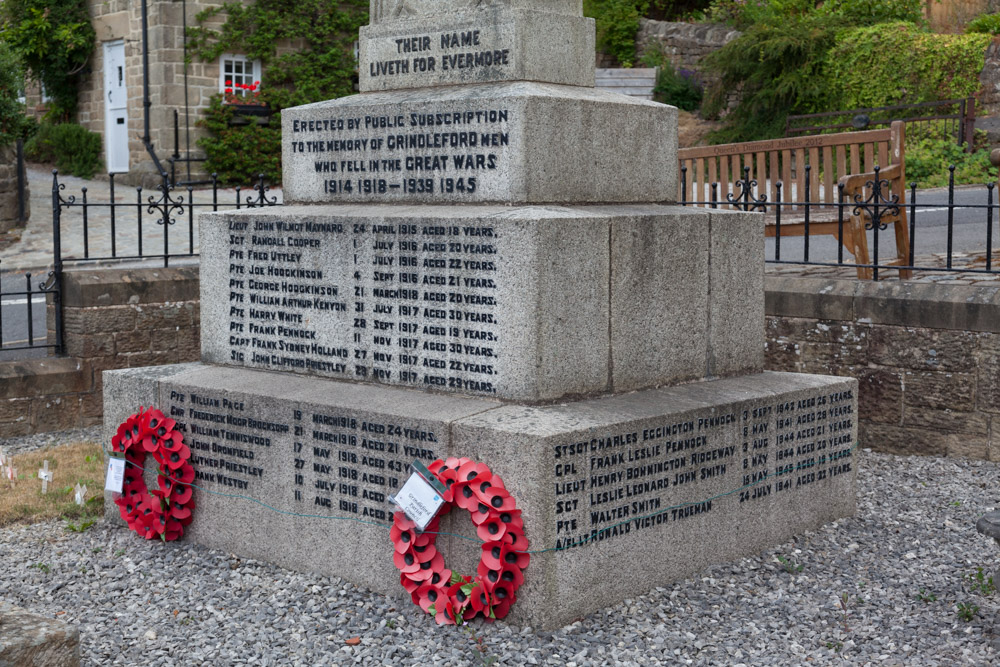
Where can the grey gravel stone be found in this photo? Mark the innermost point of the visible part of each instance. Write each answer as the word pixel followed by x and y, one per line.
pixel 904 563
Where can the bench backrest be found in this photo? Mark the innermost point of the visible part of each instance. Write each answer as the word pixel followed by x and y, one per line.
pixel 830 156
pixel 637 82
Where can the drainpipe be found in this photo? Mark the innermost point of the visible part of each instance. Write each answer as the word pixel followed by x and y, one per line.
pixel 145 95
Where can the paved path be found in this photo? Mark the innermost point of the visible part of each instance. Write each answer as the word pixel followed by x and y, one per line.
pixel 34 250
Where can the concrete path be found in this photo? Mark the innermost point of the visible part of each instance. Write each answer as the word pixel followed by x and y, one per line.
pixel 134 220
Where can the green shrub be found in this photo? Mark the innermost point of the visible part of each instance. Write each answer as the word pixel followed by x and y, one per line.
pixel 988 24
pixel 681 89
pixel 617 24
pixel 74 149
pixel 931 149
pixel 742 14
pixel 238 153
pixel 871 12
pixel 808 62
pixel 898 63
pixel 11 111
pixel 777 67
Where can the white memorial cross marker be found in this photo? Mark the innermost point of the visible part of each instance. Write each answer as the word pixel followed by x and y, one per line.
pixel 11 472
pixel 3 458
pixel 80 493
pixel 45 475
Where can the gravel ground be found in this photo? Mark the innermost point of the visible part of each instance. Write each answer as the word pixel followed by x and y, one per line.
pixel 880 588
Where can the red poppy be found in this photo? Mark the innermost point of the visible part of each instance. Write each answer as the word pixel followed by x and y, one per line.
pixel 428 594
pixel 499 524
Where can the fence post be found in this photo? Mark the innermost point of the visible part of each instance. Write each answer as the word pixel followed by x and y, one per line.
pixel 22 195
pixel 969 124
pixel 57 263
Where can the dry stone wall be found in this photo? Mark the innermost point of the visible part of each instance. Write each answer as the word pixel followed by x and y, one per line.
pixel 926 357
pixel 686 44
pixel 113 319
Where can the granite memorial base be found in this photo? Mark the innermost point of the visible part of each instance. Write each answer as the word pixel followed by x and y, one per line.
pixel 619 493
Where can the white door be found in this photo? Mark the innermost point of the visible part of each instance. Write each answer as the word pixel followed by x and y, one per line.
pixel 115 107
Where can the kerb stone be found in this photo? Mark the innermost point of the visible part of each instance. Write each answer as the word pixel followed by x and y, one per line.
pixel 29 640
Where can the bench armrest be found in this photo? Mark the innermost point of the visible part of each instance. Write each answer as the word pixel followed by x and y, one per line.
pixel 855 182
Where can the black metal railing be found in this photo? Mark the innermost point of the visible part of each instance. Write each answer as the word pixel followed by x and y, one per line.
pixel 141 229
pixel 873 210
pixel 957 117
pixel 109 231
pixel 23 335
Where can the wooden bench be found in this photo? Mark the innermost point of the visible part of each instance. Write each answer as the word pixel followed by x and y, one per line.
pixel 847 159
pixel 637 82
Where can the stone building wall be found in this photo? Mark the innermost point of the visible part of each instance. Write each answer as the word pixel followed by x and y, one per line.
pixel 684 43
pixel 926 357
pixel 122 20
pixel 988 103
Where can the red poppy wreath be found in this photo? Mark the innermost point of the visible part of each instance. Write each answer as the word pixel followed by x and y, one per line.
pixel 164 512
pixel 448 596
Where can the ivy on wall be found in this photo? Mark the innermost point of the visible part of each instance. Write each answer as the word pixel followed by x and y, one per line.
pixel 54 40
pixel 306 53
pixel 898 63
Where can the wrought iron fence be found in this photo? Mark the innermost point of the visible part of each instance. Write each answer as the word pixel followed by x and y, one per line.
pixel 858 223
pixel 22 336
pixel 118 230
pixel 958 117
pixel 140 229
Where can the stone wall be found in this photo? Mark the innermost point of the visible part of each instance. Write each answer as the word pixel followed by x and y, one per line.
pixel 988 103
pixel 114 318
pixel 684 43
pixel 927 357
pixel 8 189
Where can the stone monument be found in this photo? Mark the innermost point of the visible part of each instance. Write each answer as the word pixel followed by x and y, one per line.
pixel 479 257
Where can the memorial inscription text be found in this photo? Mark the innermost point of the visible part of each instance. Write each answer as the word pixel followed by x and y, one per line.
pixel 410 304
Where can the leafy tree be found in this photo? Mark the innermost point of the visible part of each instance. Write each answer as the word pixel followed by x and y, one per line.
pixel 776 69
pixel 54 40
pixel 11 111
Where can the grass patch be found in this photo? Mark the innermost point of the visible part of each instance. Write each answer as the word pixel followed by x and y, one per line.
pixel 70 464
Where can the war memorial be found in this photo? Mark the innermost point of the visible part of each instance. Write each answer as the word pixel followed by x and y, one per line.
pixel 480 257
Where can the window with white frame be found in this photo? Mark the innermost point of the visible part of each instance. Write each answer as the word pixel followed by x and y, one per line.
pixel 235 69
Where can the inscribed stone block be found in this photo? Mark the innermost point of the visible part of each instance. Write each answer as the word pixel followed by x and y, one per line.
pixel 521 142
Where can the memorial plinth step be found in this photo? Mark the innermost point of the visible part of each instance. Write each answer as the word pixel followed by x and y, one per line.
pixel 618 494
pixel 529 303
pixel 520 142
